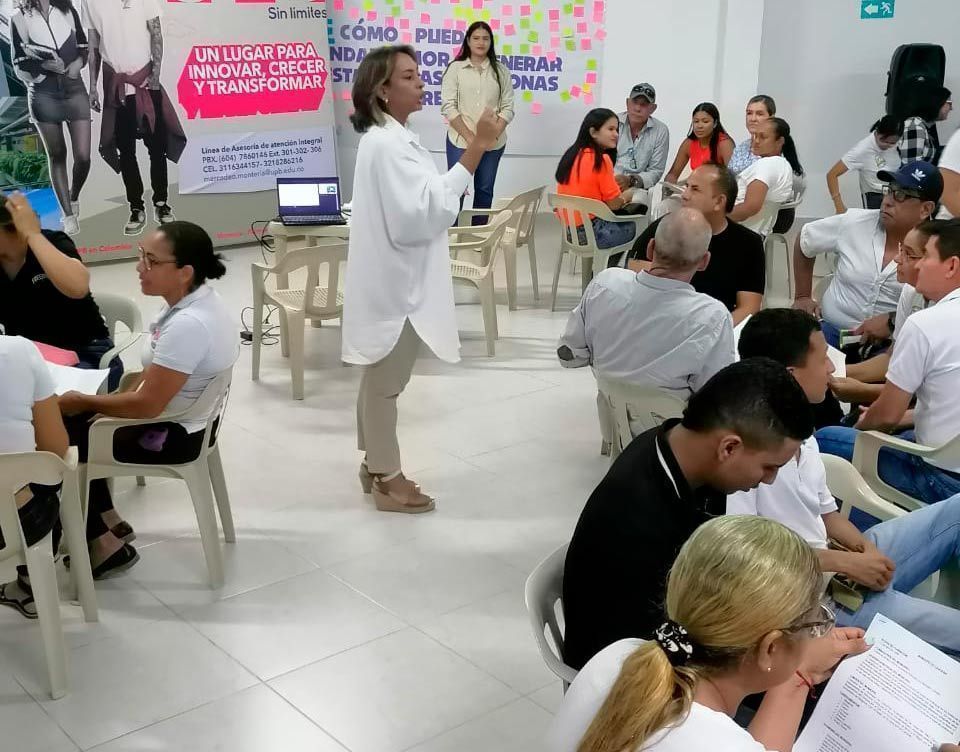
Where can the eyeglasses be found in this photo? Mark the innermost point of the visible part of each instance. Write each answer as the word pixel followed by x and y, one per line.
pixel 902 250
pixel 900 194
pixel 818 628
pixel 149 261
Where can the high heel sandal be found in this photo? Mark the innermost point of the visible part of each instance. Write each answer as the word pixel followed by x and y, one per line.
pixel 409 501
pixel 367 479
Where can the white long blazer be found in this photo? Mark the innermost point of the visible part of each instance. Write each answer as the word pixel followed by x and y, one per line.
pixel 398 266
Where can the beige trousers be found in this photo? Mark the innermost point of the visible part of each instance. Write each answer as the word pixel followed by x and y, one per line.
pixel 380 386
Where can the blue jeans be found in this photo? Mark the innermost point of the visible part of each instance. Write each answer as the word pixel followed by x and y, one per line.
pixel 920 543
pixel 483 178
pixel 608 234
pixel 831 333
pixel 90 359
pixel 908 473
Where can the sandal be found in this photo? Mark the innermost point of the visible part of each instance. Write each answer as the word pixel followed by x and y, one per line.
pixel 12 594
pixel 410 501
pixel 124 532
pixel 117 562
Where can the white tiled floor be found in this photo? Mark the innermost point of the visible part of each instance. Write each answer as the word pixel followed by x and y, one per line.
pixel 339 627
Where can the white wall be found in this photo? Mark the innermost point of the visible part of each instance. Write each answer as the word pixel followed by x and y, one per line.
pixel 691 51
pixel 827 70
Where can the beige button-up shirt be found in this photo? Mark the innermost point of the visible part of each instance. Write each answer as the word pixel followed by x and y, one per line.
pixel 467 90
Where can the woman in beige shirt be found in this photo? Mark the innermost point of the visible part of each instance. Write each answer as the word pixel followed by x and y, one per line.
pixel 473 82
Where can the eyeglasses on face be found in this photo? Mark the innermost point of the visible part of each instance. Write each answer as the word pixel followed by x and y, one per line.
pixel 149 261
pixel 900 194
pixel 817 628
pixel 905 252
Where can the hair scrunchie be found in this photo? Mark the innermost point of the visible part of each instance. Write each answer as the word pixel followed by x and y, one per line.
pixel 675 641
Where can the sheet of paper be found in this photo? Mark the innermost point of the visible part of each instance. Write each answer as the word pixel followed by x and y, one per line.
pixel 902 695
pixel 67 379
pixel 839 361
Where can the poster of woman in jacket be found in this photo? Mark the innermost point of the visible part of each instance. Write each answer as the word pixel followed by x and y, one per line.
pixel 48 53
pixel 126 44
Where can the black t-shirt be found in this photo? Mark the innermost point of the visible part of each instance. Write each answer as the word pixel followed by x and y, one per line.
pixel 626 540
pixel 31 307
pixel 737 263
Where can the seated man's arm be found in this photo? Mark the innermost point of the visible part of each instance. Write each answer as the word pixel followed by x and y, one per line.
pixel 871 371
pixel 909 364
pixel 863 562
pixel 887 411
pixel 815 238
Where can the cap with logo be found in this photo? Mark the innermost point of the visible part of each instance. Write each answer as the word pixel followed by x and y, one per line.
pixel 919 177
pixel 644 90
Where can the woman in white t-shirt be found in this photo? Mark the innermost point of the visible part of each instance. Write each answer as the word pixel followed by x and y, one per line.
pixel 950 170
pixel 192 340
pixel 744 617
pixel 29 421
pixel 770 181
pixel 876 151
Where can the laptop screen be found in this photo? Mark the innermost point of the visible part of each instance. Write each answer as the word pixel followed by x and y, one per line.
pixel 306 196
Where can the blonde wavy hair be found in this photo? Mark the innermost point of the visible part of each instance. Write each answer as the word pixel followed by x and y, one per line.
pixel 736 579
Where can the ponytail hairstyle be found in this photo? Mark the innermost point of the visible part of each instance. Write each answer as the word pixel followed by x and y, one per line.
pixel 782 129
pixel 192 246
pixel 594 120
pixel 888 125
pixel 736 580
pixel 718 130
pixel 464 53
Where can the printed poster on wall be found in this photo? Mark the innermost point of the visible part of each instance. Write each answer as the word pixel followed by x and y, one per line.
pixel 155 109
pixel 552 48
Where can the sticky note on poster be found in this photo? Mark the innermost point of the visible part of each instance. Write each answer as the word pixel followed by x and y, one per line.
pixel 536 108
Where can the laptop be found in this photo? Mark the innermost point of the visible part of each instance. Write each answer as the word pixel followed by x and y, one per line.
pixel 309 201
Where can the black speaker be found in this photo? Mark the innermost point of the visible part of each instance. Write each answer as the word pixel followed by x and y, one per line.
pixel 913 65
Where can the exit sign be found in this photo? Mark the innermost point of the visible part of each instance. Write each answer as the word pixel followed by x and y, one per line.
pixel 876 8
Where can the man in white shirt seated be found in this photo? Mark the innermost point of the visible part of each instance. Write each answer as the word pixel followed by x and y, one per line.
pixel 891 558
pixel 925 364
pixel 866 242
pixel 652 327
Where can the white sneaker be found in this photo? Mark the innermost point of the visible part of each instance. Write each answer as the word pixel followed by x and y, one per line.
pixel 162 213
pixel 136 223
pixel 70 225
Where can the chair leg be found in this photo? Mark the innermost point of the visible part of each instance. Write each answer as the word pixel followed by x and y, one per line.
pixel 295 336
pixel 533 268
pixel 786 254
pixel 257 336
pixel 43 581
pixel 556 282
pixel 74 533
pixel 510 268
pixel 141 481
pixel 197 477
pixel 586 272
pixel 219 483
pixel 489 306
pixel 284 333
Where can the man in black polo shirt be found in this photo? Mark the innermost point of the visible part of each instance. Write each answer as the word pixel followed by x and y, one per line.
pixel 736 273
pixel 45 288
pixel 736 432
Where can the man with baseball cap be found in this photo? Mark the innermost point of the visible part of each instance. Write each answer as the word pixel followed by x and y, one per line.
pixel 644 141
pixel 866 242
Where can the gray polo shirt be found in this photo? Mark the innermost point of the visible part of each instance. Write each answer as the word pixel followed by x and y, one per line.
pixel 646 156
pixel 650 330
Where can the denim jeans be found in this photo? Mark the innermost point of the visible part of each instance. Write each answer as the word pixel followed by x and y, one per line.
pixel 831 333
pixel 483 178
pixel 908 473
pixel 608 234
pixel 920 543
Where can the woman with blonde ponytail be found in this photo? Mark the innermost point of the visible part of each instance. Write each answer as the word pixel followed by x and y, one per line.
pixel 744 617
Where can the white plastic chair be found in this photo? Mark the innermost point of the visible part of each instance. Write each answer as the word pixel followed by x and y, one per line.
pixel 314 302
pixel 199 474
pixel 779 236
pixel 542 593
pixel 16 471
pixel 846 484
pixel 119 309
pixel 591 256
pixel 866 453
pixel 485 242
pixel 520 232
pixel 635 408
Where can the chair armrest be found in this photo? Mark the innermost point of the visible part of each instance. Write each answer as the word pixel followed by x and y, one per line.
pixel 102 430
pixel 117 349
pixel 873 441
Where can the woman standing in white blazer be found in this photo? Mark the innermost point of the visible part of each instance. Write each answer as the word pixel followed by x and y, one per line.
pixel 398 290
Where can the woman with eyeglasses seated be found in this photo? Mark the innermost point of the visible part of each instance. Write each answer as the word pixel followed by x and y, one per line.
pixel 191 341
pixel 743 617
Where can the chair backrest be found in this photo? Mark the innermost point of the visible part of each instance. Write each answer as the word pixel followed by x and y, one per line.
pixel 846 484
pixel 118 308
pixel 209 406
pixel 333 254
pixel 542 593
pixel 638 407
pixel 483 239
pixel 573 211
pixel 16 471
pixel 526 206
